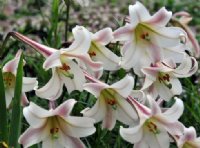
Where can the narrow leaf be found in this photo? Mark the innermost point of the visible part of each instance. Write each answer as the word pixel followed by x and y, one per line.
pixel 16 111
pixel 3 112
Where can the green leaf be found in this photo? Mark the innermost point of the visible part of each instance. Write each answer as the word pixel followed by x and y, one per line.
pixel 3 112
pixel 16 111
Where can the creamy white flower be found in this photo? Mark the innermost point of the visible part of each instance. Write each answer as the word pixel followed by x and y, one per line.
pixel 188 139
pixel 9 77
pixel 55 127
pixel 154 126
pixel 63 62
pixel 146 37
pixel 162 78
pixel 98 51
pixel 111 104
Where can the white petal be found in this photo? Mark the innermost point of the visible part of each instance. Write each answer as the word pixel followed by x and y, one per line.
pixel 176 86
pixel 29 84
pixel 103 36
pixel 138 13
pixel 52 90
pixel 11 66
pixel 141 144
pixel 123 33
pixel 174 128
pixel 53 60
pixel 109 120
pixel 71 142
pixel 173 113
pixel 77 82
pixel 97 112
pixel 52 143
pixel 65 108
pixel 82 41
pixel 108 58
pixel 95 88
pixel 187 68
pixel 132 134
pixel 32 136
pixel 163 91
pixel 77 126
pixel 124 86
pixel 9 94
pixel 160 18
pixel 35 115
pixel 24 100
pixel 167 36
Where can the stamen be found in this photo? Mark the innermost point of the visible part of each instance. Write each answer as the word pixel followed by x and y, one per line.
pixel 65 67
pixel 113 103
pixel 92 54
pixel 145 36
pixel 165 78
pixel 54 132
pixel 152 127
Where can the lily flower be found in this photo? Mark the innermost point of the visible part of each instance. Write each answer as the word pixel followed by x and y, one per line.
pixel 154 126
pixel 9 77
pixel 98 51
pixel 111 104
pixel 162 78
pixel 55 127
pixel 183 21
pixel 65 71
pixel 146 36
pixel 188 139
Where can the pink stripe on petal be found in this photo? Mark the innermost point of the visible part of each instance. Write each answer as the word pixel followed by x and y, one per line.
pixel 65 108
pixel 139 107
pixel 103 36
pixel 110 118
pixel 161 18
pixel 44 50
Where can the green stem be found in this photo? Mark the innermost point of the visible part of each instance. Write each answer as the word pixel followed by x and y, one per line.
pixel 67 3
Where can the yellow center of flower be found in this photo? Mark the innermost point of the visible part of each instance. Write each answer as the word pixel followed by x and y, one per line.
pixel 164 78
pixel 152 127
pixel 54 132
pixel 109 95
pixel 142 33
pixel 65 70
pixel 9 80
pixel 94 48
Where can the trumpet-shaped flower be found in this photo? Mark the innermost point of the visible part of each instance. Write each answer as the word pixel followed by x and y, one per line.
pixel 65 71
pixel 111 104
pixel 154 126
pixel 9 77
pixel 162 78
pixel 183 21
pixel 146 36
pixel 55 127
pixel 188 139
pixel 98 51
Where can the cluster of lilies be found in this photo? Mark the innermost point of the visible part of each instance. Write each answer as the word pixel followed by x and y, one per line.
pixel 155 52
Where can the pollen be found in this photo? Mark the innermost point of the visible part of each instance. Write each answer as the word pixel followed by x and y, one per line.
pixel 92 54
pixel 145 36
pixel 113 103
pixel 54 132
pixel 65 67
pixel 165 79
pixel 152 127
